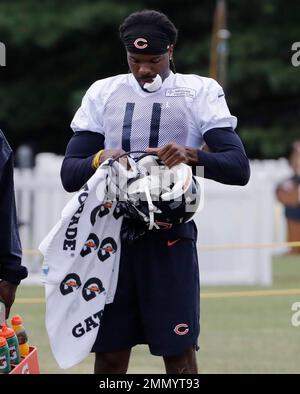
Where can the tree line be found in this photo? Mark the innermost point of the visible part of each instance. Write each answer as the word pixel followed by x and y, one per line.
pixel 55 50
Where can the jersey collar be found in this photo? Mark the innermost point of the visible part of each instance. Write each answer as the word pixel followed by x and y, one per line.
pixel 136 86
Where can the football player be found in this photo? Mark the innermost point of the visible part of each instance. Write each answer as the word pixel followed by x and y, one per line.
pixel 156 109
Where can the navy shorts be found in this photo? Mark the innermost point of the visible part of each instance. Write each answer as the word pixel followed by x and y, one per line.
pixel 157 301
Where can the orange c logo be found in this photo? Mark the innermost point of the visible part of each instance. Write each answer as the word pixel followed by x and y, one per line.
pixel 181 329
pixel 140 43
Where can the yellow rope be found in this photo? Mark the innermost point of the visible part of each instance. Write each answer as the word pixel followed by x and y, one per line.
pixel 250 246
pixel 31 252
pixel 204 295
pixel 251 293
pixel 34 252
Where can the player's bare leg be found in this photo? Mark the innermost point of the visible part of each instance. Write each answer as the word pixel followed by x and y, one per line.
pixel 112 362
pixel 184 363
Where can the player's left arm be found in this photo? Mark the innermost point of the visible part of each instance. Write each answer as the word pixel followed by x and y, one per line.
pixel 225 162
pixel 225 159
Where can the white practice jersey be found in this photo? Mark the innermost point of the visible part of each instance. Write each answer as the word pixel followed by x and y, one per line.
pixel 181 111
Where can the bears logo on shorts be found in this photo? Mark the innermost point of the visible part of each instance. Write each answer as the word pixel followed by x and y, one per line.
pixel 181 329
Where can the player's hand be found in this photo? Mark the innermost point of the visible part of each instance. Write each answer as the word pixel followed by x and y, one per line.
pixel 173 154
pixel 110 154
pixel 7 294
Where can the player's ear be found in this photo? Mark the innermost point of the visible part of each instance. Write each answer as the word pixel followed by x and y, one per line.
pixel 171 50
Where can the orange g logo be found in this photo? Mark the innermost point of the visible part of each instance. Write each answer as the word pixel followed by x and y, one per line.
pixel 140 43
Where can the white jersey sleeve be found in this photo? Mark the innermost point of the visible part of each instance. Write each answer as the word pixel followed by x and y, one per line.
pixel 210 107
pixel 89 117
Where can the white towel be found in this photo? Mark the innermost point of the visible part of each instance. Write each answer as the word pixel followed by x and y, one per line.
pixel 81 264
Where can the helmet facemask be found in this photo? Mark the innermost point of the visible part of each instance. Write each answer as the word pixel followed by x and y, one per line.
pixel 149 191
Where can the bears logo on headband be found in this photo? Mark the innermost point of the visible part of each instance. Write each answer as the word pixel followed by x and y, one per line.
pixel 140 43
pixel 149 39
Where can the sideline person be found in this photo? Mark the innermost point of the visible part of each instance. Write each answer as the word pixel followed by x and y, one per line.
pixel 11 270
pixel 288 193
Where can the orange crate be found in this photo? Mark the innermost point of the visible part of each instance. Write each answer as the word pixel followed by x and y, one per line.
pixel 28 364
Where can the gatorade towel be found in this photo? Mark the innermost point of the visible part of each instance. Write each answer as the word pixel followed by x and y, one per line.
pixel 81 263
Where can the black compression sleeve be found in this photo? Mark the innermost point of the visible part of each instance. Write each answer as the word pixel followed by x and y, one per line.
pixel 77 165
pixel 227 161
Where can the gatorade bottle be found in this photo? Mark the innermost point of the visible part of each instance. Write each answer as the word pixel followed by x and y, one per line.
pixel 2 314
pixel 4 356
pixel 13 345
pixel 17 325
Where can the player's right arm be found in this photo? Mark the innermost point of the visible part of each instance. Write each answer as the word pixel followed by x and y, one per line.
pixel 78 166
pixel 88 139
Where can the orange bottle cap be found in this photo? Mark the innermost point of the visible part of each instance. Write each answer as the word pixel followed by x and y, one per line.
pixel 2 341
pixel 7 332
pixel 16 320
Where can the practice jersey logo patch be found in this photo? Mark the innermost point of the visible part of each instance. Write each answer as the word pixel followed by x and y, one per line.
pixel 181 329
pixel 181 92
pixel 140 43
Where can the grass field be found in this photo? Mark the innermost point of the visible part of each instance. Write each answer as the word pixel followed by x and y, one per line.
pixel 243 329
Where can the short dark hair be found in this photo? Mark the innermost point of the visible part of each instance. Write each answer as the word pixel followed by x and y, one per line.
pixel 151 17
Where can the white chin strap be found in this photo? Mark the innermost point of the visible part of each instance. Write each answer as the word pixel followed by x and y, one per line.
pixel 153 86
pixel 151 207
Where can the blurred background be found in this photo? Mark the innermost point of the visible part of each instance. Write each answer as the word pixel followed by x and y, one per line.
pixel 55 50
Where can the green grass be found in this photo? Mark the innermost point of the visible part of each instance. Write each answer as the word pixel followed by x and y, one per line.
pixel 238 335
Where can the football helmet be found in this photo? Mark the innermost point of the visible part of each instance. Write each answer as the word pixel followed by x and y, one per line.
pixel 149 191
